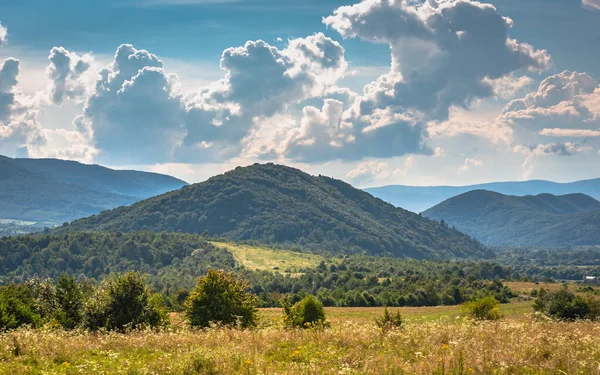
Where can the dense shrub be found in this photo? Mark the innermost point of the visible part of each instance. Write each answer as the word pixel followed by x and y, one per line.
pixel 388 320
pixel 306 313
pixel 16 307
pixel 124 301
pixel 487 308
pixel 565 305
pixel 222 298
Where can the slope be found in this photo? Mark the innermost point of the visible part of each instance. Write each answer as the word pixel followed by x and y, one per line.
pixel 51 191
pixel 543 220
pixel 281 205
pixel 420 198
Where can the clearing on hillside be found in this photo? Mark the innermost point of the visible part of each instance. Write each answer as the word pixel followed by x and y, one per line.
pixel 266 259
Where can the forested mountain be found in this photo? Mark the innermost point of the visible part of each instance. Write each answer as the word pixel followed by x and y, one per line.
pixel 543 220
pixel 282 205
pixel 53 191
pixel 420 198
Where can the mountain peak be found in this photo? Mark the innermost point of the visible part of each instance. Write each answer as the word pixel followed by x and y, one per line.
pixel 531 220
pixel 279 204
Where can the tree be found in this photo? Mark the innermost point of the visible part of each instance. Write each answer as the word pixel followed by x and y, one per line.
pixel 388 320
pixel 16 307
pixel 306 313
pixel 124 301
pixel 565 305
pixel 487 308
pixel 70 302
pixel 220 297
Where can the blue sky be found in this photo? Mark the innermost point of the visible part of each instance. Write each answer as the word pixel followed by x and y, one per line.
pixel 456 115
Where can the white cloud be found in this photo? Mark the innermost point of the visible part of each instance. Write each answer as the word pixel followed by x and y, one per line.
pixel 561 149
pixel 576 133
pixel 137 112
pixel 20 132
pixel 508 86
pixel 445 54
pixel 3 35
pixel 469 163
pixel 565 105
pixel 546 150
pixel 65 73
pixel 595 4
pixel 369 171
pixel 439 152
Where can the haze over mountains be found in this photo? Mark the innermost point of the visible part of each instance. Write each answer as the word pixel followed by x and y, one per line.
pixel 420 198
pixel 543 220
pixel 50 191
pixel 282 205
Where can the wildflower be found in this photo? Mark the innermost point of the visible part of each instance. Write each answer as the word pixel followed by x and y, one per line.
pixel 66 364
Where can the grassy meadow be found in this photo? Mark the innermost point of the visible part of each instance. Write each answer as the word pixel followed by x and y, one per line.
pixel 434 340
pixel 267 259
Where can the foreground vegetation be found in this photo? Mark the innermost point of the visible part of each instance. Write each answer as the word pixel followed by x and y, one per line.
pixel 443 346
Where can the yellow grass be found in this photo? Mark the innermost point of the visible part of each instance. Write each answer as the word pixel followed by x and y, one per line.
pixel 275 260
pixel 528 287
pixel 455 346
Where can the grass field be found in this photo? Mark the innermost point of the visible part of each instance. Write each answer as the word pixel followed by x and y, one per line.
pixel 433 341
pixel 266 259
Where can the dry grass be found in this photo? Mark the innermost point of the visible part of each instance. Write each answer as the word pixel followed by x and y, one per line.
pixel 352 346
pixel 528 287
pixel 266 259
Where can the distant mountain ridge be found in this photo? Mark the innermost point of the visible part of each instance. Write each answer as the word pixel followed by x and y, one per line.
pixel 543 220
pixel 420 198
pixel 282 205
pixel 52 190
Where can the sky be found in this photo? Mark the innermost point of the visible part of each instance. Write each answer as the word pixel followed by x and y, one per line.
pixel 374 92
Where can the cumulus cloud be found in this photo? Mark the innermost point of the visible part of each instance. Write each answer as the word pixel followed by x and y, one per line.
pixel 470 163
pixel 135 113
pixel 138 113
pixel 561 149
pixel 20 131
pixel 565 104
pixel 64 73
pixel 3 35
pixel 445 54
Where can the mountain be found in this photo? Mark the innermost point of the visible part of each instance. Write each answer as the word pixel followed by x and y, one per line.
pixel 280 205
pixel 543 220
pixel 420 198
pixel 53 191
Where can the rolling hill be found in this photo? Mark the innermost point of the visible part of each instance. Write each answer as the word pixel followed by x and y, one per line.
pixel 280 205
pixel 48 191
pixel 420 198
pixel 543 220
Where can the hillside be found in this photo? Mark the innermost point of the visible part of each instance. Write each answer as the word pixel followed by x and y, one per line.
pixel 48 191
pixel 420 198
pixel 543 220
pixel 281 205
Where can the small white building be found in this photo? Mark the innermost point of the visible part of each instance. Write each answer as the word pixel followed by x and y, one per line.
pixel 591 280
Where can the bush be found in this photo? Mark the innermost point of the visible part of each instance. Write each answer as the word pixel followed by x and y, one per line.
pixel 16 307
pixel 306 313
pixel 565 305
pixel 487 308
pixel 124 301
pixel 389 321
pixel 221 298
